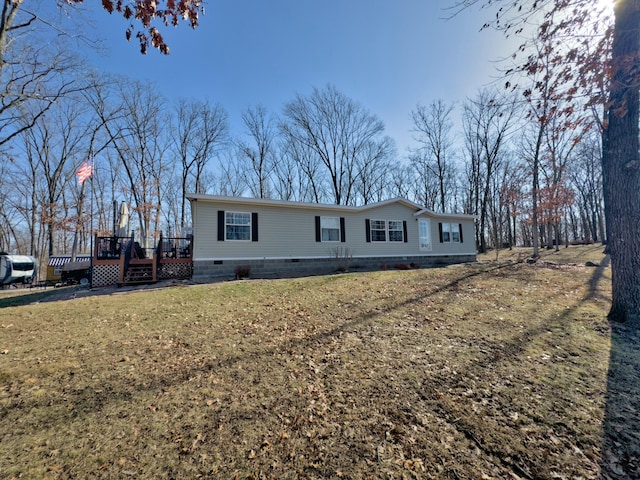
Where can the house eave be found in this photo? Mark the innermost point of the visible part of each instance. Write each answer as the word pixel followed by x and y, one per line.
pixel 194 197
pixel 458 216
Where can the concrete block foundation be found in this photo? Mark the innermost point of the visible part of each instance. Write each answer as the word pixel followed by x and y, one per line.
pixel 211 270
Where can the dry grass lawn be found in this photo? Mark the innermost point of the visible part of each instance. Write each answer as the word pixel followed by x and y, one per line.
pixel 489 370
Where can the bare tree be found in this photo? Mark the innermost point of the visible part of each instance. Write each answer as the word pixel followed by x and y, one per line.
pixel 287 178
pixel 231 180
pixel 487 123
pixel 34 74
pixel 373 170
pixel 200 130
pixel 561 138
pixel 402 182
pixel 311 183
pixel 505 194
pixel 138 137
pixel 54 146
pixel 432 126
pixel 426 186
pixel 339 131
pixel 586 180
pixel 609 69
pixel 259 150
pixel 11 208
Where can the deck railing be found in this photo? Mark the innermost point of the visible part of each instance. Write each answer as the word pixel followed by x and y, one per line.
pixel 174 247
pixel 111 248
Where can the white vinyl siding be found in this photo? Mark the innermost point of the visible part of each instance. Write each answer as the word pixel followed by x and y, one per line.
pixel 290 231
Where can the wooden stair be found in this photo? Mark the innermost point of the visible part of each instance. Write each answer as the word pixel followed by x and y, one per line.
pixel 139 273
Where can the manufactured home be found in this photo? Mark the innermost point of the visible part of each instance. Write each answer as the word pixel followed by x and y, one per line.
pixel 276 238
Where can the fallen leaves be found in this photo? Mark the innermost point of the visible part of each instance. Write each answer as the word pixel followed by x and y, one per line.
pixel 470 371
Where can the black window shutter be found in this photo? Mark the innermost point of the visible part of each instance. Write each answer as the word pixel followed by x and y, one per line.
pixel 221 225
pixel 343 235
pixel 367 225
pixel 440 230
pixel 318 235
pixel 254 227
pixel 460 233
pixel 404 228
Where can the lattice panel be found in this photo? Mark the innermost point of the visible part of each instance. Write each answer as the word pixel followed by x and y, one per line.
pixel 175 270
pixel 105 275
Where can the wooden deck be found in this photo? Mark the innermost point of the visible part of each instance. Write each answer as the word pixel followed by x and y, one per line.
pixel 122 261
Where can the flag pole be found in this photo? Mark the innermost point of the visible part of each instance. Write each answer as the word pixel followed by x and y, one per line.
pixel 91 226
pixel 84 172
pixel 79 224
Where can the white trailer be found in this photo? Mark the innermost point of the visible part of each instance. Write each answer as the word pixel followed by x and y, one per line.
pixel 16 268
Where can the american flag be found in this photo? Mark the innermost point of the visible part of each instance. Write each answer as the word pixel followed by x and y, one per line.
pixel 85 171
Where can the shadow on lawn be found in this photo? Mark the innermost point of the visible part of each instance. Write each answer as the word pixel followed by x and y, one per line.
pixel 621 427
pixel 621 439
pixel 621 430
pixel 25 296
pixel 90 399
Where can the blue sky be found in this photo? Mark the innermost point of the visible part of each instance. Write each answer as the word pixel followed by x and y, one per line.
pixel 387 55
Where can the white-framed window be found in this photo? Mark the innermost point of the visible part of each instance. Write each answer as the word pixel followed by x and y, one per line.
pixel 424 228
pixel 455 232
pixel 446 232
pixel 378 230
pixel 330 229
pixel 386 231
pixel 237 226
pixel 450 232
pixel 396 230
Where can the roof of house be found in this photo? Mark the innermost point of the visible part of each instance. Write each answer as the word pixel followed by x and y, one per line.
pixel 59 260
pixel 419 210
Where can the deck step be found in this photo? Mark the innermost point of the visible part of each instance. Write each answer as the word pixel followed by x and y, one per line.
pixel 139 274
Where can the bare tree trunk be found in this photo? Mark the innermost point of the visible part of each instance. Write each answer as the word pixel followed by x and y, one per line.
pixel 258 152
pixel 621 164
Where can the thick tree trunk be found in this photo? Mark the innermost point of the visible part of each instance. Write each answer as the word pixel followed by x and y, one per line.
pixel 621 164
pixel 534 193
